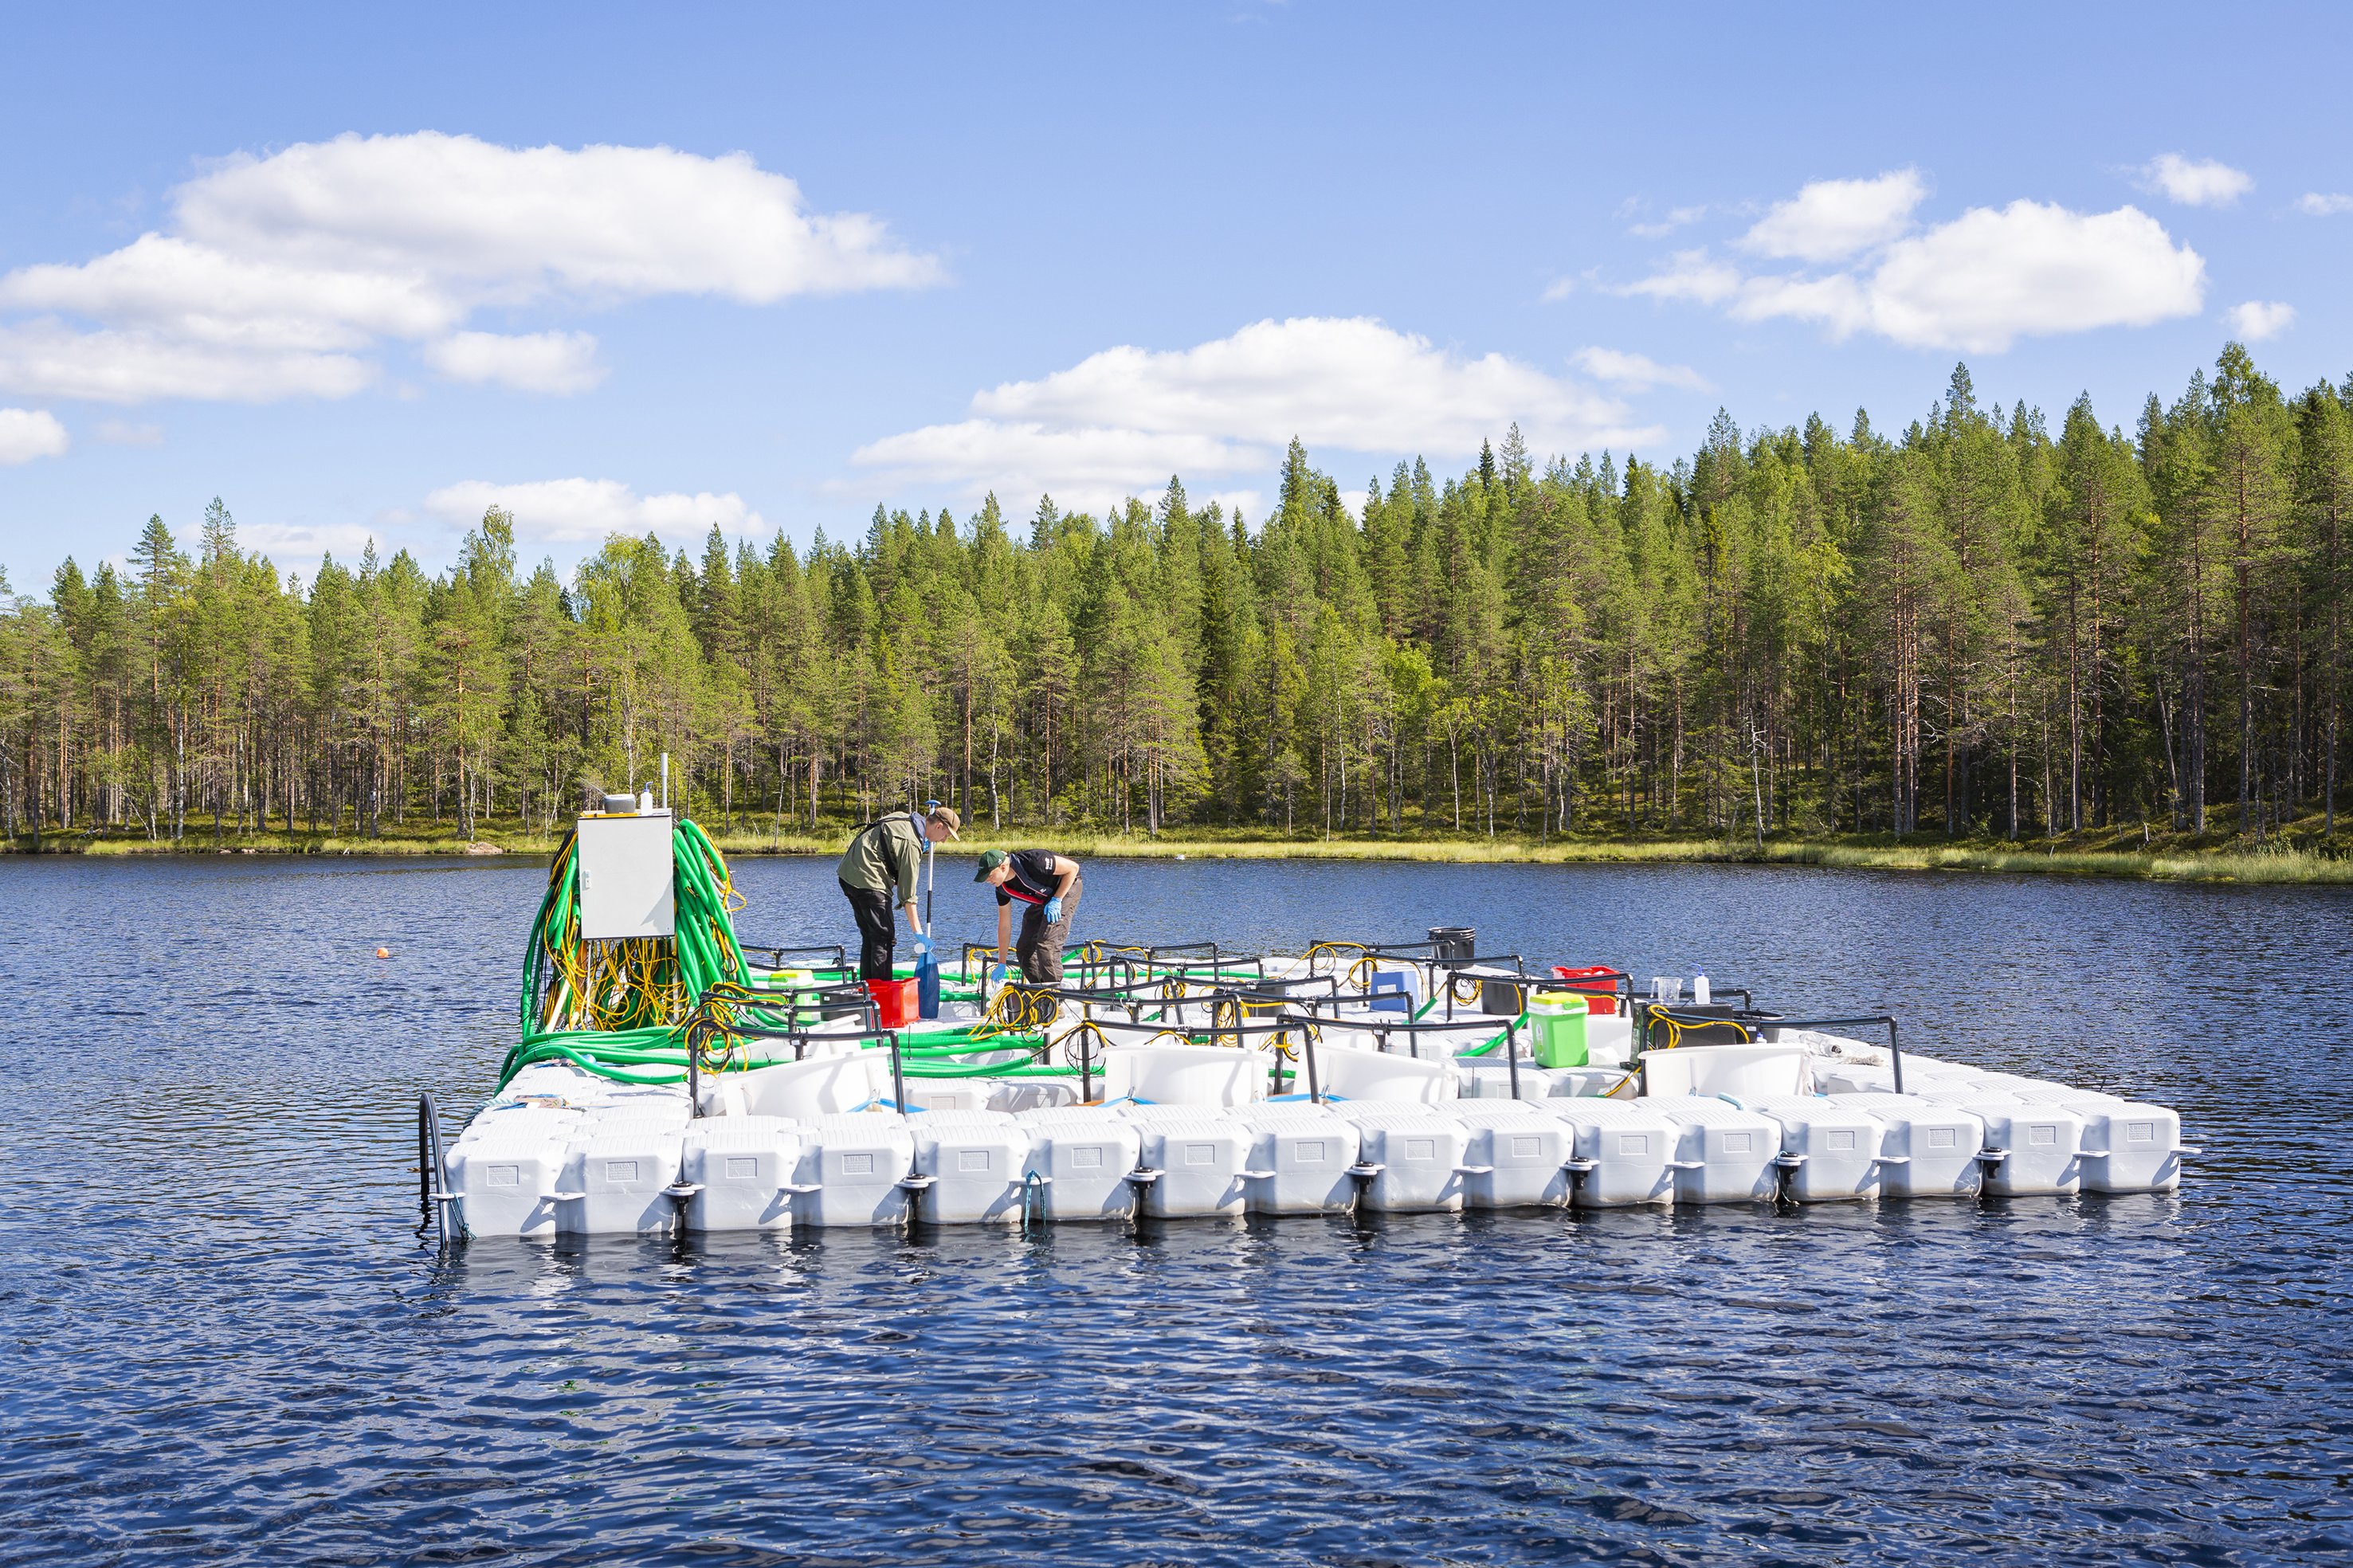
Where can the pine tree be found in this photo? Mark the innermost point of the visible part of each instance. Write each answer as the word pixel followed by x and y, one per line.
pixel 1787 630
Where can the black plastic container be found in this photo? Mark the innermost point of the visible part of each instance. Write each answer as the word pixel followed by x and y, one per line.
pixel 1758 1025
pixel 1507 997
pixel 1455 942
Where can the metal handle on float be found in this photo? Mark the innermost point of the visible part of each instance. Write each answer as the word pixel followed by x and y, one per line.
pixel 432 1171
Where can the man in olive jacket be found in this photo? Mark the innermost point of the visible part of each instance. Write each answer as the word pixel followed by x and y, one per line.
pixel 885 855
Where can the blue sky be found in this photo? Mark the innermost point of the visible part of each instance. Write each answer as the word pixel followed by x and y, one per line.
pixel 768 266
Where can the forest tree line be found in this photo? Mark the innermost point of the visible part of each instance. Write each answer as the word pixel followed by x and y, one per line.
pixel 1974 625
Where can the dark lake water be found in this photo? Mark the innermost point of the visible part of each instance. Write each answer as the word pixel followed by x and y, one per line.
pixel 226 1340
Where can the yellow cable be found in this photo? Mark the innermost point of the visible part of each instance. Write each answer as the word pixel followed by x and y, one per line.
pixel 1675 1030
pixel 1356 947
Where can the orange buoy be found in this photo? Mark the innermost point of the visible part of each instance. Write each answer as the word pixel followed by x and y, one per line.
pixel 384 953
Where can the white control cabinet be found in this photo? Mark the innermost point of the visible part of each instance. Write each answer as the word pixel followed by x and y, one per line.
pixel 625 876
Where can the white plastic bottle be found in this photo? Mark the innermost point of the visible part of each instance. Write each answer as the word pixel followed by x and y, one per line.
pixel 1699 989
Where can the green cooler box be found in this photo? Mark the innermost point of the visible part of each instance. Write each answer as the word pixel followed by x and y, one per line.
pixel 1557 1019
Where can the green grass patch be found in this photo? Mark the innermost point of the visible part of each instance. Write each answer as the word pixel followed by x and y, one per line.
pixel 2301 853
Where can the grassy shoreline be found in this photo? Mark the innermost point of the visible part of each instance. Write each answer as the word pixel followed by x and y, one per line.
pixel 2298 854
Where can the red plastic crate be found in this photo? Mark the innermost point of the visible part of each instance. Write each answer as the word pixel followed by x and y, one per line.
pixel 1598 982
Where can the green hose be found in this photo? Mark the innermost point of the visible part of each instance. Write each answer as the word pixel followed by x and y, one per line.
pixel 1482 1050
pixel 654 983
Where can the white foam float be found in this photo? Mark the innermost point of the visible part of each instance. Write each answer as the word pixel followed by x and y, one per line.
pixel 1183 1130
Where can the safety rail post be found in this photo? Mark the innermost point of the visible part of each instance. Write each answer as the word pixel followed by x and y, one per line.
pixel 1894 1048
pixel 898 1077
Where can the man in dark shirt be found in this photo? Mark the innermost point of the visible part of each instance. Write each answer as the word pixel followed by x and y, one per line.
pixel 1048 884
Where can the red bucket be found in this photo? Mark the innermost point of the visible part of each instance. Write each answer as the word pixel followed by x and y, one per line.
pixel 894 999
pixel 1599 983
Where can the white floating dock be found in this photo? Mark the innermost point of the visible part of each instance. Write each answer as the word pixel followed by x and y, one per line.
pixel 1440 1121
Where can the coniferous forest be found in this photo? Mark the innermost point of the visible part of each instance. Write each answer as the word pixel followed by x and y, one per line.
pixel 1988 623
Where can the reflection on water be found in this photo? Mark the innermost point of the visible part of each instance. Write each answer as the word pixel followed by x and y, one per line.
pixel 228 1343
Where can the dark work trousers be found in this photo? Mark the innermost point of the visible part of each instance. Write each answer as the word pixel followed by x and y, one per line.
pixel 878 931
pixel 1039 948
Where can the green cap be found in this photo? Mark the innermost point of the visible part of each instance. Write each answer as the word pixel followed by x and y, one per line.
pixel 991 859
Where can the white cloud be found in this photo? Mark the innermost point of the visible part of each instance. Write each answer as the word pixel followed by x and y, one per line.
pixel 30 433
pixel 536 362
pixel 2316 203
pixel 2259 318
pixel 1839 301
pixel 196 293
pixel 1030 455
pixel 1977 283
pixel 1637 373
pixel 1121 421
pixel 573 511
pixel 1668 224
pixel 2031 270
pixel 123 433
pixel 297 547
pixel 2208 183
pixel 1829 220
pixel 1690 276
pixel 278 270
pixel 1559 289
pixel 45 358
pixel 625 222
pixel 1250 504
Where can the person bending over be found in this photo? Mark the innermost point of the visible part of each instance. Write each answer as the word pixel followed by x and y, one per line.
pixel 1048 884
pixel 887 853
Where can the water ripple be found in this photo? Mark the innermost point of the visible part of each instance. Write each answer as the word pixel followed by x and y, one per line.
pixel 230 1342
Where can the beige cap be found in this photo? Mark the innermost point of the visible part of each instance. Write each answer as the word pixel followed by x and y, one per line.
pixel 946 817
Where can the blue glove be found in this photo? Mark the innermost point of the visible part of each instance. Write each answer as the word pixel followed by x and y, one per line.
pixel 923 941
pixel 1054 910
